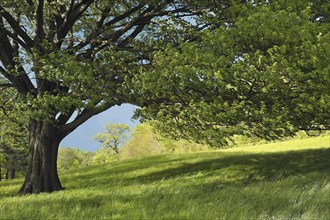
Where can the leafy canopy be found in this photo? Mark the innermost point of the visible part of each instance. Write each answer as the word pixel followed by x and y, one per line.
pixel 114 135
pixel 71 59
pixel 264 74
pixel 13 133
pixel 204 69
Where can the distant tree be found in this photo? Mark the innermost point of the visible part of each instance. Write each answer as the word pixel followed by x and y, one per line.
pixel 13 150
pixel 13 135
pixel 1 165
pixel 104 155
pixel 114 135
pixel 145 140
pixel 13 158
pixel 69 158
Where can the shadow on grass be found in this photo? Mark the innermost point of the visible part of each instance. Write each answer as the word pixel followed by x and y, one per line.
pixel 114 172
pixel 231 168
pixel 227 167
pixel 108 197
pixel 268 166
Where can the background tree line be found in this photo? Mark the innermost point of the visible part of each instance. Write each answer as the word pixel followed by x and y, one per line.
pixel 13 137
pixel 144 140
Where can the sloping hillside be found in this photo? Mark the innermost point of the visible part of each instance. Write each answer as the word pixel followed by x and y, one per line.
pixel 278 181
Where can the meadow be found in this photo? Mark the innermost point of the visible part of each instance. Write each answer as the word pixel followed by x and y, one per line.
pixel 283 180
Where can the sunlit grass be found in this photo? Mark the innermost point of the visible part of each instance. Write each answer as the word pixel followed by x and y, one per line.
pixel 295 144
pixel 285 180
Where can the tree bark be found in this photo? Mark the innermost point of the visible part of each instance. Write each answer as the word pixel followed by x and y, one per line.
pixel 116 149
pixel 12 173
pixel 41 175
pixel 12 167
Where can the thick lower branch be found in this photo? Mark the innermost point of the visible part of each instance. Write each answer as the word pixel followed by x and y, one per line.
pixel 86 114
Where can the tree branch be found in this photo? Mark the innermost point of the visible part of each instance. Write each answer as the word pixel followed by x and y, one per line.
pixel 6 85
pixel 18 40
pixel 2 70
pixel 83 117
pixel 98 31
pixel 140 21
pixel 40 33
pixel 71 17
pixel 136 32
pixel 64 117
pixel 21 82
pixel 30 2
pixel 16 27
pixel 6 50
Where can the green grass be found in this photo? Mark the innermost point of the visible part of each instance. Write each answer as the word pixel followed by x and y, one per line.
pixel 285 180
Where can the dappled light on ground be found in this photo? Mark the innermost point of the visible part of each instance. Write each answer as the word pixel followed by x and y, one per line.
pixel 209 185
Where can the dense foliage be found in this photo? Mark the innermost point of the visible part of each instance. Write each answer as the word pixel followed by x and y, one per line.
pixel 13 137
pixel 264 73
pixel 145 140
pixel 142 141
pixel 114 135
pixel 70 158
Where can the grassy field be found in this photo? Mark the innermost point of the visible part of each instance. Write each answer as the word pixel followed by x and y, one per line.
pixel 285 180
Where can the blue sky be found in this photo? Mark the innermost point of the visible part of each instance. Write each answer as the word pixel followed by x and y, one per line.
pixel 82 137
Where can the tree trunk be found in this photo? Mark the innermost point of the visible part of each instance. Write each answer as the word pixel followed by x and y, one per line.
pixel 12 168
pixel 41 175
pixel 12 173
pixel 116 150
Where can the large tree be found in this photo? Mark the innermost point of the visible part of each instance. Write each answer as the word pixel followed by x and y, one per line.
pixel 265 73
pixel 72 59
